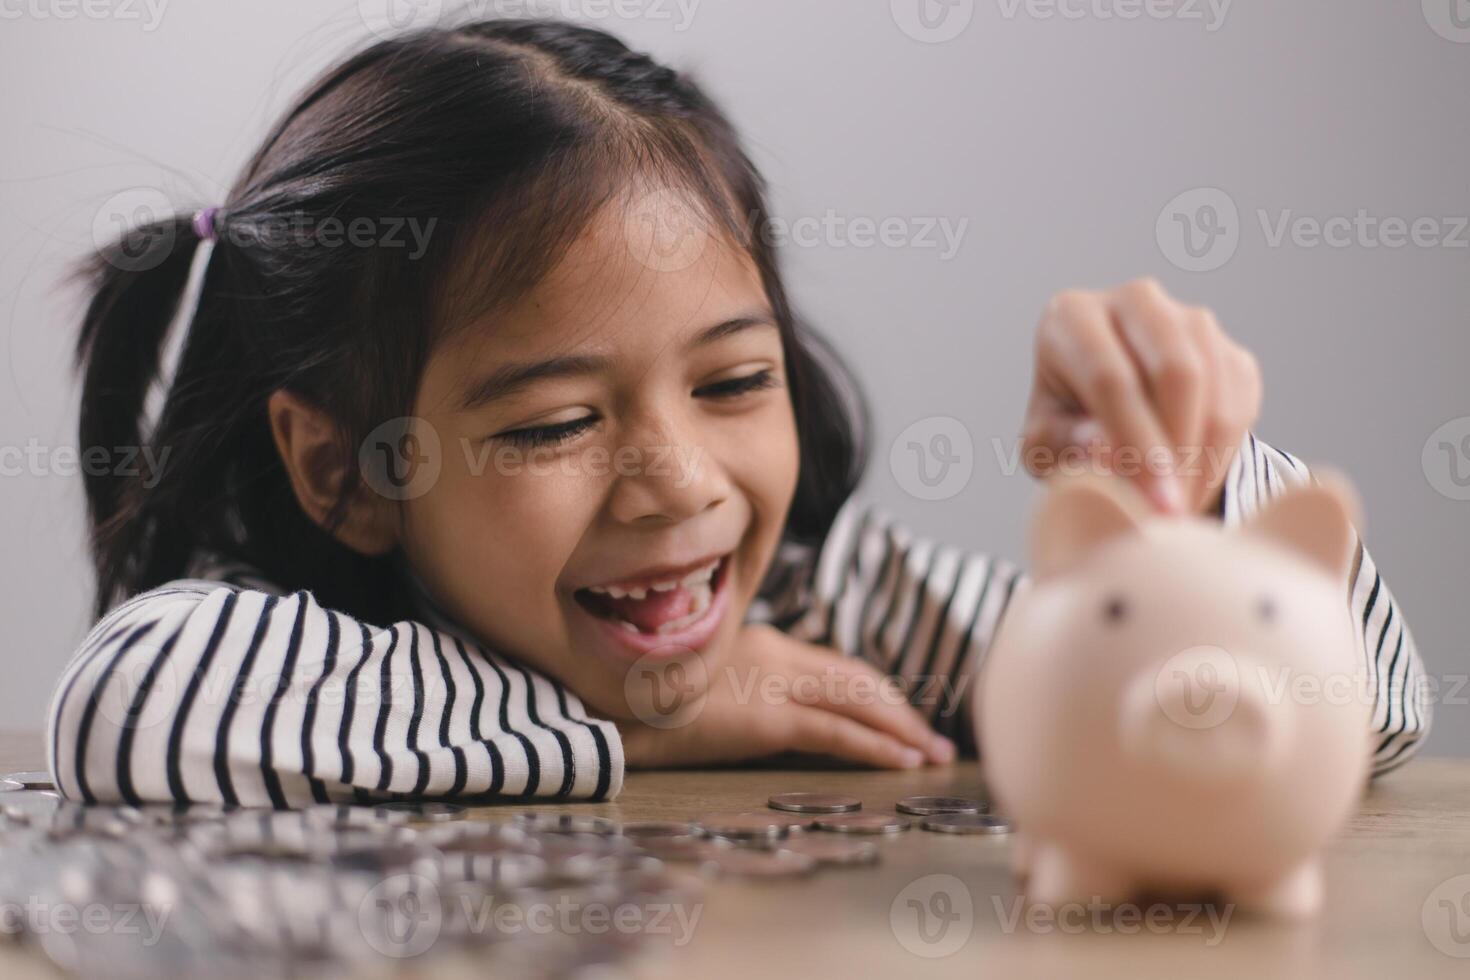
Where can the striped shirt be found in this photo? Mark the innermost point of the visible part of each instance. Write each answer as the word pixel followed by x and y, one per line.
pixel 219 688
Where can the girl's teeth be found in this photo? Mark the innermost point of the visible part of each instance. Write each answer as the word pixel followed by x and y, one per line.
pixel 696 577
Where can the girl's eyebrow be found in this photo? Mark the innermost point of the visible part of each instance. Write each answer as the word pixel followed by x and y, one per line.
pixel 510 378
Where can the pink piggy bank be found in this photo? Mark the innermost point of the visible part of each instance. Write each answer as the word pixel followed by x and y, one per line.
pixel 1176 708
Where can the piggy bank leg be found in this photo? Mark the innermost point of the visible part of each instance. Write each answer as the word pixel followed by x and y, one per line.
pixel 1296 895
pixel 1058 878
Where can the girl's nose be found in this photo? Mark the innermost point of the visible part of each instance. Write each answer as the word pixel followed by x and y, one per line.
pixel 661 479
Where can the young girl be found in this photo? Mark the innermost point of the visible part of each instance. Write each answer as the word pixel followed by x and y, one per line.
pixel 491 402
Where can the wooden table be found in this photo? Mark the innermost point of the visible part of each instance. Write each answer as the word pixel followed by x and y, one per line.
pixel 1383 919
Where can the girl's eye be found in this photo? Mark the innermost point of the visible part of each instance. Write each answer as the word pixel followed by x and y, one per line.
pixel 731 387
pixel 549 435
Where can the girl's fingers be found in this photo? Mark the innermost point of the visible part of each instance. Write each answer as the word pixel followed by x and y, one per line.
pixel 1078 342
pixel 1220 437
pixel 819 731
pixel 854 689
pixel 1163 341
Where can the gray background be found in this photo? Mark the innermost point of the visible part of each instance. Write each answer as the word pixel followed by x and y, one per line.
pixel 1060 140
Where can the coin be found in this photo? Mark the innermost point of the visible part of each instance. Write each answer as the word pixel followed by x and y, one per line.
pixel 966 823
pixel 433 812
pixel 657 830
pixel 30 805
pixel 30 780
pixel 862 823
pixel 742 825
pixel 343 816
pixel 751 863
pixel 815 803
pixel 565 823
pixel 835 850
pixel 681 849
pixel 9 786
pixel 925 806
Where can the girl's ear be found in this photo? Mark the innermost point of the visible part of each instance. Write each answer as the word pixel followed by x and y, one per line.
pixel 1077 515
pixel 310 448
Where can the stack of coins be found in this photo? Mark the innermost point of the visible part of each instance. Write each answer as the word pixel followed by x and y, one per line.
pixel 358 888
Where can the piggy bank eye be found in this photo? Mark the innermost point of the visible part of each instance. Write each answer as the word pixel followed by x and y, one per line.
pixel 1115 610
pixel 1266 609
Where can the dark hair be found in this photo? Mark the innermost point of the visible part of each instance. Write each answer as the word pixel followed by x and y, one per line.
pixel 505 134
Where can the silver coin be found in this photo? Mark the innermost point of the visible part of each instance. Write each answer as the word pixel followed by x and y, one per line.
pixel 815 803
pixel 9 786
pixel 835 850
pixel 657 830
pixel 756 863
pixel 30 805
pixel 432 812
pixel 564 823
pixel 344 816
pixel 743 825
pixel 676 850
pixel 30 780
pixel 862 823
pixel 966 823
pixel 926 806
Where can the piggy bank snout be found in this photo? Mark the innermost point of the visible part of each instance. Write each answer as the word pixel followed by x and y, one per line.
pixel 1201 716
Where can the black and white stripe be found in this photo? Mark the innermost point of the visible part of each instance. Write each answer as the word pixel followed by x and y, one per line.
pixel 1402 709
pixel 205 691
pixel 927 614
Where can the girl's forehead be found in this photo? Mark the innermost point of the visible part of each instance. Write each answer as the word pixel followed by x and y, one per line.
pixel 637 274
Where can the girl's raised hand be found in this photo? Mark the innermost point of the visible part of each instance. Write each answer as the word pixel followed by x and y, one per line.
pixel 1135 383
pixel 780 694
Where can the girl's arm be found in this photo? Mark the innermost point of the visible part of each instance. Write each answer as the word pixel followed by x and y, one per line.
pixel 203 692
pixel 926 614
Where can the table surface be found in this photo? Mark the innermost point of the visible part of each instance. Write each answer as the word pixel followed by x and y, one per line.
pixel 1389 910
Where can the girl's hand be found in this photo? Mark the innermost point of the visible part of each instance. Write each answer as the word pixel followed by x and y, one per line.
pixel 1135 383
pixel 780 694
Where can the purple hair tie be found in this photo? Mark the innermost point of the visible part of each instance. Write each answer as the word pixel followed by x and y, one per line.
pixel 204 224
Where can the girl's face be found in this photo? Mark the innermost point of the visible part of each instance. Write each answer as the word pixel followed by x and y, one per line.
pixel 618 453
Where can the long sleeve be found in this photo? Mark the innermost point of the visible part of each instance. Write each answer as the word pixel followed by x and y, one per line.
pixel 926 613
pixel 1401 710
pixel 208 692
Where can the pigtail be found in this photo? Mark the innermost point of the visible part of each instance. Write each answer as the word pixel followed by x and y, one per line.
pixel 137 283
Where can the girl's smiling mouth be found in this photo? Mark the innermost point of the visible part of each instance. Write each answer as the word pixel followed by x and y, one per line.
pixel 676 609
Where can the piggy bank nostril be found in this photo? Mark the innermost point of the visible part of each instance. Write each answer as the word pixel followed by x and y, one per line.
pixel 1115 610
pixel 1266 609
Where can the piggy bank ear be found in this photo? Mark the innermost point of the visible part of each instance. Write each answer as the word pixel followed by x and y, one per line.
pixel 1077 515
pixel 1316 520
